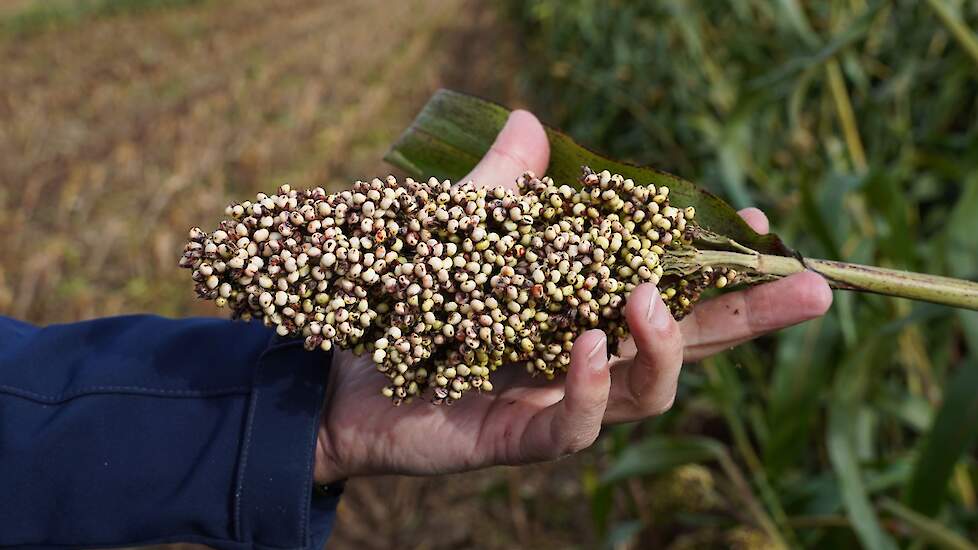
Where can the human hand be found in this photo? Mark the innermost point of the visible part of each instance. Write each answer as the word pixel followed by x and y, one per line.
pixel 527 420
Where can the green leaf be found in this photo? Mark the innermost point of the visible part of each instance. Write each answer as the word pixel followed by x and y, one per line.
pixel 961 229
pixel 455 130
pixel 622 534
pixel 798 379
pixel 952 434
pixel 660 453
pixel 601 497
pixel 926 528
pixel 858 27
pixel 842 453
pixel 849 392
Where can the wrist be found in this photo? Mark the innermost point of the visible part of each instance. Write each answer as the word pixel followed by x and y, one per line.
pixel 328 481
pixel 326 469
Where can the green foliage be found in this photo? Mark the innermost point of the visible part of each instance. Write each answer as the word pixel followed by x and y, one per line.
pixel 951 435
pixel 45 15
pixel 853 125
pixel 660 453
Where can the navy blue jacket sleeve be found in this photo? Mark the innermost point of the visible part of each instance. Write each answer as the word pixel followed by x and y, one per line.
pixel 139 430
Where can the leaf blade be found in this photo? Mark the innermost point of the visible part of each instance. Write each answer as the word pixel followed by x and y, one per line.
pixel 953 432
pixel 842 442
pixel 859 508
pixel 659 453
pixel 454 130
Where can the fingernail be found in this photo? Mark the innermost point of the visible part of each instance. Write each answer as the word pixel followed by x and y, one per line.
pixel 598 355
pixel 658 313
pixel 509 120
pixel 650 314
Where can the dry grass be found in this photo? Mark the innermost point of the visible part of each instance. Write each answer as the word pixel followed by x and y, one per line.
pixel 119 133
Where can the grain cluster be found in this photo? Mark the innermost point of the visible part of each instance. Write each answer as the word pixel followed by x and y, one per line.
pixel 442 284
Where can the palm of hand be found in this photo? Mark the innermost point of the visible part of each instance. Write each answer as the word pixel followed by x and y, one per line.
pixel 528 419
pixel 369 435
pixel 518 422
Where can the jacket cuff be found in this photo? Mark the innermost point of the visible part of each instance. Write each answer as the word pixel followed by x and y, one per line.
pixel 273 503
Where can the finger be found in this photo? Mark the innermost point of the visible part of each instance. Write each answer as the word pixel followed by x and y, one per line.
pixel 646 385
pixel 733 318
pixel 573 423
pixel 756 219
pixel 520 146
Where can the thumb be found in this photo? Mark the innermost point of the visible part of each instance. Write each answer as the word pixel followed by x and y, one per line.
pixel 520 146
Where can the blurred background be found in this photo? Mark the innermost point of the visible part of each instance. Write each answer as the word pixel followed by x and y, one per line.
pixel 852 123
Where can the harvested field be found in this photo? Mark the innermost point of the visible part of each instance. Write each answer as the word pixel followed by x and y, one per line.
pixel 118 131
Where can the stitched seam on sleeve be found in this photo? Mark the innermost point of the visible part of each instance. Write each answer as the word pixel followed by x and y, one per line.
pixel 133 390
pixel 243 465
pixel 305 498
pixel 239 533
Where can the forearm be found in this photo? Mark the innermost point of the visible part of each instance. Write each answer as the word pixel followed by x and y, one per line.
pixel 139 430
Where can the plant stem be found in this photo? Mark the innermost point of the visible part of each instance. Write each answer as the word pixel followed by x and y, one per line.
pixel 754 508
pixel 952 20
pixel 777 520
pixel 929 529
pixel 862 278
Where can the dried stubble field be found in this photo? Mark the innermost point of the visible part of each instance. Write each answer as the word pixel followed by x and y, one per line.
pixel 118 133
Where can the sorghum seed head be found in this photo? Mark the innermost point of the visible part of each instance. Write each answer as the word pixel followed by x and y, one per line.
pixel 443 284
